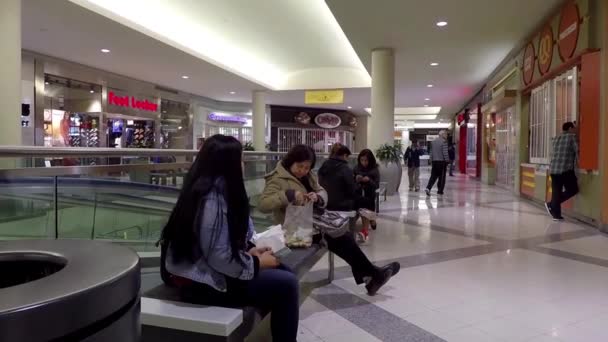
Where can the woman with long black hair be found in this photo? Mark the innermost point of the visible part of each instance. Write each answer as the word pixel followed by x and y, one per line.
pixel 207 241
pixel 293 182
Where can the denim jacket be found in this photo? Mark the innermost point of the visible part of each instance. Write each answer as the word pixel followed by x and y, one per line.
pixel 213 253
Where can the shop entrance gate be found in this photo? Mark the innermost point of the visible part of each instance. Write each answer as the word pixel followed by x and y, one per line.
pixel 505 147
pixel 319 139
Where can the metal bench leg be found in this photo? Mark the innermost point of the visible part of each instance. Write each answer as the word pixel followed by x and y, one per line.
pixel 330 273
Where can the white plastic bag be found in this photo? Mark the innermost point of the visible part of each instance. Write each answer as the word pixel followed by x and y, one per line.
pixel 274 238
pixel 298 225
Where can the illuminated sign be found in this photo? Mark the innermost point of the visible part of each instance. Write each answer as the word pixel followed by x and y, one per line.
pixel 227 118
pixel 131 102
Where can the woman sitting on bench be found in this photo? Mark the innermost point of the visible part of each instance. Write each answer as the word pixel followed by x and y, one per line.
pixel 207 247
pixel 293 182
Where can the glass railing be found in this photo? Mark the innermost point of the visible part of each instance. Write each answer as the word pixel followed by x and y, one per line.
pixel 120 195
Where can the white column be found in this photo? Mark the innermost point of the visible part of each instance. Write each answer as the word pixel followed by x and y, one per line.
pixel 381 124
pixel 10 69
pixel 361 134
pixel 259 120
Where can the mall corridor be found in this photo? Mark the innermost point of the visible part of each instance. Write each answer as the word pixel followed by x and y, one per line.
pixel 478 265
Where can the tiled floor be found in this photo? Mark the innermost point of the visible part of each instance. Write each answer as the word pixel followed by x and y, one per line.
pixel 478 265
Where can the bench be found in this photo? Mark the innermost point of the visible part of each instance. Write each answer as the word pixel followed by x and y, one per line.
pixel 164 317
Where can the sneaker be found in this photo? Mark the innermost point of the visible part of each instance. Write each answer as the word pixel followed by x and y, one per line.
pixel 428 192
pixel 378 281
pixel 362 238
pixel 558 219
pixel 548 208
pixel 395 267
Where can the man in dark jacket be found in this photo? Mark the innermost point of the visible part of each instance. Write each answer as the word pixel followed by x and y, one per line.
pixel 336 177
pixel 440 158
pixel 411 158
pixel 452 154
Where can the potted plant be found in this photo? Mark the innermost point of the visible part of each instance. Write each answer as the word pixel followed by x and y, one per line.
pixel 390 166
pixel 248 146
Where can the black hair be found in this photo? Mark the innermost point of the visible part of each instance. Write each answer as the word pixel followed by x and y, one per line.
pixel 219 158
pixel 371 160
pixel 339 150
pixel 566 126
pixel 298 154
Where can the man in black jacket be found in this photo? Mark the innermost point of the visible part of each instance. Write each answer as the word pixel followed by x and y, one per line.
pixel 411 158
pixel 336 177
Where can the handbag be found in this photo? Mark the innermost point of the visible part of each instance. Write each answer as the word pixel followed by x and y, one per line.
pixel 332 223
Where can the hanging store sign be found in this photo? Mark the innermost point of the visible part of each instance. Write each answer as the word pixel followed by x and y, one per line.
pixel 528 63
pixel 545 50
pixel 227 118
pixel 328 120
pixel 131 102
pixel 324 96
pixel 569 30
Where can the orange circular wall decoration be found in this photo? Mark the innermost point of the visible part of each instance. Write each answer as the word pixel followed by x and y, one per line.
pixel 569 30
pixel 545 50
pixel 528 63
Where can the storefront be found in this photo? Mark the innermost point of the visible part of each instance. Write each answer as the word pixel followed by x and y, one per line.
pixel 71 105
pixel 319 128
pixel 553 80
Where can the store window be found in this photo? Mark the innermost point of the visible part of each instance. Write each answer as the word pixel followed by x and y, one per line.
pixel 71 113
pixel 175 125
pixel 551 104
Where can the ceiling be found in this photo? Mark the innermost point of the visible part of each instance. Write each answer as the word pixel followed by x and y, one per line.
pixel 479 35
pixel 298 43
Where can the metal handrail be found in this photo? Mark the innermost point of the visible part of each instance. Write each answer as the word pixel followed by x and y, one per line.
pixel 92 152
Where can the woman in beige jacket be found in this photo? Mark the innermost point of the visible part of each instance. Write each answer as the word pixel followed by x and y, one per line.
pixel 293 182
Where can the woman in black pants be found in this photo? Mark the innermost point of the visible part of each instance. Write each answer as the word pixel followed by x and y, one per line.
pixel 293 182
pixel 206 245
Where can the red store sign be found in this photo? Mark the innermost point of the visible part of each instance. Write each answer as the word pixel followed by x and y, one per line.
pixel 569 30
pixel 131 102
pixel 545 50
pixel 528 67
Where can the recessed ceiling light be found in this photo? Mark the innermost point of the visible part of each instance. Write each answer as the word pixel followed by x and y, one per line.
pixel 427 99
pixel 91 91
pixel 47 82
pixel 180 127
pixel 442 23
pixel 232 92
pixel 434 64
pixel 105 50
pixel 185 77
pixel 349 107
pixel 429 86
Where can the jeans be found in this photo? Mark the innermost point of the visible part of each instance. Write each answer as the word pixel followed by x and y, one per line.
pixel 438 173
pixel 565 180
pixel 273 290
pixel 414 175
pixel 347 248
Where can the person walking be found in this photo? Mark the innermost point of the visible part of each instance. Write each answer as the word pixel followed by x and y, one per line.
pixel 440 159
pixel 452 155
pixel 411 158
pixel 563 163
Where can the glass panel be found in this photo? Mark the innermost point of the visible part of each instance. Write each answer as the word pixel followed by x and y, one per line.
pixel 27 208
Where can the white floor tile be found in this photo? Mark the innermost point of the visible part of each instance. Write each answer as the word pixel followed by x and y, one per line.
pixel 355 335
pixel 508 330
pixel 467 334
pixel 327 324
pixel 436 322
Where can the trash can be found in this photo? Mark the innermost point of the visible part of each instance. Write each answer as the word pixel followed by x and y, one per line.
pixel 68 290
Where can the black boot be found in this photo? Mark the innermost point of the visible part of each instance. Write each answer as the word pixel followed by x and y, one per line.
pixel 382 277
